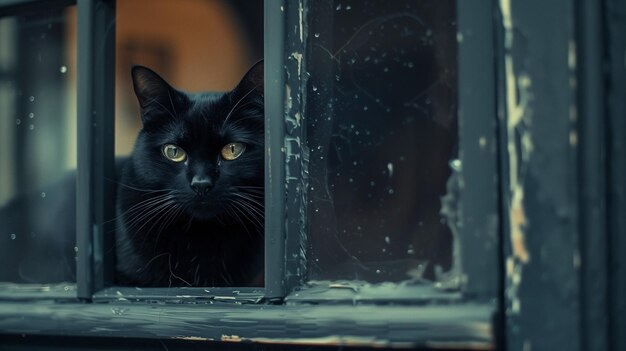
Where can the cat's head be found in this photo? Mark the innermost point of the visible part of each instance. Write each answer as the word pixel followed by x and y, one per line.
pixel 203 149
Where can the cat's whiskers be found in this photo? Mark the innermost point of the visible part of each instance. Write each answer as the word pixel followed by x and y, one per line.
pixel 250 209
pixel 232 210
pixel 169 94
pixel 258 206
pixel 165 108
pixel 145 204
pixel 147 214
pixel 154 213
pixel 172 215
pixel 136 206
pixel 135 188
pixel 237 104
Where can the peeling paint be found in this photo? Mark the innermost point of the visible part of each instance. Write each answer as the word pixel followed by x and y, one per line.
pixel 192 338
pixel 518 119
pixel 571 55
pixel 298 57
pixel 452 212
pixel 573 138
pixel 301 21
pixel 516 112
pixel 331 340
pixel 482 142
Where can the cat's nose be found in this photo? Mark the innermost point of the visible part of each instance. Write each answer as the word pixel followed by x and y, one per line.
pixel 201 184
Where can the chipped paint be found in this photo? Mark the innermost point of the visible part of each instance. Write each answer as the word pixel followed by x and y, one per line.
pixel 482 142
pixel 231 338
pixel 331 340
pixel 451 211
pixel 516 113
pixel 301 21
pixel 573 138
pixel 571 55
pixel 518 118
pixel 298 57
pixel 192 338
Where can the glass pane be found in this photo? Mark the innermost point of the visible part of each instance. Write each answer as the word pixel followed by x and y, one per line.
pixel 382 131
pixel 164 235
pixel 37 149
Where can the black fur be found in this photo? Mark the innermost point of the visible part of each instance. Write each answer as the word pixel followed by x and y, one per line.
pixel 166 233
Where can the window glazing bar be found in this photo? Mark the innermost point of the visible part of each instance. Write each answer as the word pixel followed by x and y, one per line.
pixel 477 116
pixel 274 136
pixel 96 166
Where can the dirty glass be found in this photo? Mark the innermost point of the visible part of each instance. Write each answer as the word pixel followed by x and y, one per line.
pixel 37 149
pixel 381 126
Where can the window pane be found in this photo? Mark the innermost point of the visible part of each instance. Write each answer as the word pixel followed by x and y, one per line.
pixel 170 230
pixel 382 131
pixel 37 149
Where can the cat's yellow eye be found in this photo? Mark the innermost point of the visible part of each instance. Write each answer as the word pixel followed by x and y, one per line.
pixel 232 150
pixel 174 153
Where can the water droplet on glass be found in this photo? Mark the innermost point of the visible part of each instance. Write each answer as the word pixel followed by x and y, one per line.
pixel 31 115
pixel 410 251
pixel 390 169
pixel 410 64
pixel 386 69
pixel 372 183
pixel 314 88
pixel 455 164
pixel 18 121
pixel 13 236
pixel 338 7
pixel 387 239
pixel 31 98
pixel 348 7
pixel 317 35
pixel 75 248
pixel 391 191
pixel 365 108
pixel 63 69
pixel 31 127
pixel 43 195
pixel 378 271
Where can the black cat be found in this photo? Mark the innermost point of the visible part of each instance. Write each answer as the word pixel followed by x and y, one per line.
pixel 189 201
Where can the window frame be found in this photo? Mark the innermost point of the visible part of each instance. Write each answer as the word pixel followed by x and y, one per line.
pixel 480 312
pixel 468 312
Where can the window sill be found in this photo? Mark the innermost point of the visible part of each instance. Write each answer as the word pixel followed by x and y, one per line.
pixel 462 325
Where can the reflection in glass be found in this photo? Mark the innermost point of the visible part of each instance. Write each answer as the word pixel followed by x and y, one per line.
pixel 381 130
pixel 37 135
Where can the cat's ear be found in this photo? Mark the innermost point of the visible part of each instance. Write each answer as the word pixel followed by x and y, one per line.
pixel 152 91
pixel 252 81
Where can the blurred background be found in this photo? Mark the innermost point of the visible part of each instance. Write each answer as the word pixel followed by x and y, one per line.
pixel 196 45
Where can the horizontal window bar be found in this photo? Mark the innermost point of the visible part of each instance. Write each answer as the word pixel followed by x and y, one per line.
pixel 464 326
pixel 16 7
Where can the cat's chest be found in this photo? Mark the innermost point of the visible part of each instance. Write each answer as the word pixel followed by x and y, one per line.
pixel 201 255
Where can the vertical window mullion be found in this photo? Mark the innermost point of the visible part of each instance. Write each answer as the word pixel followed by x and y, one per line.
pixel 478 188
pixel 274 136
pixel 96 166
